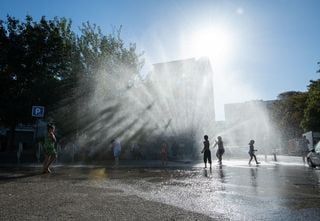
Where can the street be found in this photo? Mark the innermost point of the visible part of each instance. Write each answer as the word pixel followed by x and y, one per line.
pixel 231 191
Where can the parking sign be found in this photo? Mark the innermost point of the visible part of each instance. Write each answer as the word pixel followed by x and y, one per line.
pixel 37 111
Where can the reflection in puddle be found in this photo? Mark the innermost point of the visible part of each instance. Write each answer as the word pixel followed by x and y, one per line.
pixel 238 192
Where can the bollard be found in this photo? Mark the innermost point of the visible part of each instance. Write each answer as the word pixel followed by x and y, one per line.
pixel 38 153
pixel 275 156
pixel 20 149
pixel 73 152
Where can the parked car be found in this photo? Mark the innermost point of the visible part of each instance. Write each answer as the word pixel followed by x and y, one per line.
pixel 313 158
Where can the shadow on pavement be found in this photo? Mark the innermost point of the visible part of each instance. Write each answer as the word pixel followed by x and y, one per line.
pixel 12 177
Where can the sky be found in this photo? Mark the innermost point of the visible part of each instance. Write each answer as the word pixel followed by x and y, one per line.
pixel 257 49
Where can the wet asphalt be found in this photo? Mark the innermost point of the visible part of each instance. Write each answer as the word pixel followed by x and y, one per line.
pixel 285 190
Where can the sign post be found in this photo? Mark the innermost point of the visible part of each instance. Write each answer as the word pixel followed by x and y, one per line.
pixel 37 111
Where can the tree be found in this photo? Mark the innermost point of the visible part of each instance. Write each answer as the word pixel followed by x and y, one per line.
pixel 34 66
pixel 288 113
pixel 106 72
pixel 82 80
pixel 311 119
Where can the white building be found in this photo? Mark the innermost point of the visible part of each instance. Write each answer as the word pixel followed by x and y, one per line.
pixel 251 121
pixel 184 93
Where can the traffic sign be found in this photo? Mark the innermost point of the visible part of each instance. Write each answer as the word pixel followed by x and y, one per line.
pixel 37 111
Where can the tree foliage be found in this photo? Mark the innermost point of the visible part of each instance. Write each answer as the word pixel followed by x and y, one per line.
pixel 288 113
pixel 108 68
pixel 45 63
pixel 35 63
pixel 297 112
pixel 311 120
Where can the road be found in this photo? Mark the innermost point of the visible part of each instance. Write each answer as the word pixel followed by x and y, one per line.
pixel 231 191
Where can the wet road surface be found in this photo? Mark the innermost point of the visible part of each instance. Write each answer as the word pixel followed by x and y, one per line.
pixel 231 191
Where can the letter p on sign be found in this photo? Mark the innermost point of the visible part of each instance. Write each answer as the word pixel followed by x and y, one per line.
pixel 37 111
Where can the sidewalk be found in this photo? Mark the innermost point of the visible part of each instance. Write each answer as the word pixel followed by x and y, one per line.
pixel 81 194
pixel 281 159
pixel 110 164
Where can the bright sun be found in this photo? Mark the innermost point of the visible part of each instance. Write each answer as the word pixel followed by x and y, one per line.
pixel 214 43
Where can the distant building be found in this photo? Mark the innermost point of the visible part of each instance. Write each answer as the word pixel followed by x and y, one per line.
pixel 240 112
pixel 251 120
pixel 177 106
pixel 183 91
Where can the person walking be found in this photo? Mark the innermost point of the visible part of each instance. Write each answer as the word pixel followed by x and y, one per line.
pixel 116 148
pixel 251 152
pixel 206 151
pixel 49 149
pixel 220 150
pixel 164 153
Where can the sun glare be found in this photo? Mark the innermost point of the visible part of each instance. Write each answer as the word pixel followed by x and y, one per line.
pixel 215 44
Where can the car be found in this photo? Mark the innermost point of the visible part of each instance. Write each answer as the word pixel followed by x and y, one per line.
pixel 313 157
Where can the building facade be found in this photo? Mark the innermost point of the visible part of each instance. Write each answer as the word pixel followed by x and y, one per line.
pixel 251 120
pixel 184 93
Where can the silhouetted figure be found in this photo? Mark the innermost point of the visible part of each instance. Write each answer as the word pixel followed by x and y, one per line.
pixel 136 151
pixel 49 149
pixel 274 153
pixel 206 151
pixel 116 148
pixel 251 152
pixel 220 150
pixel 175 149
pixel 164 153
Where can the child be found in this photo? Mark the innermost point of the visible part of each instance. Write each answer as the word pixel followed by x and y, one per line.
pixel 220 150
pixel 206 151
pixel 164 153
pixel 251 152
pixel 49 149
pixel 116 148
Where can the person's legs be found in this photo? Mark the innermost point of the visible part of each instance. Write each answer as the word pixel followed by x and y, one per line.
pixel 45 163
pixel 251 157
pixel 209 159
pixel 50 161
pixel 219 156
pixel 48 164
pixel 255 158
pixel 205 159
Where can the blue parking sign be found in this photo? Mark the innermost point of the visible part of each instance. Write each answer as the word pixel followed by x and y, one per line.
pixel 37 111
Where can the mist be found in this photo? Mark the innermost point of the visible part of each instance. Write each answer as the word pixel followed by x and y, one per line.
pixel 173 104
